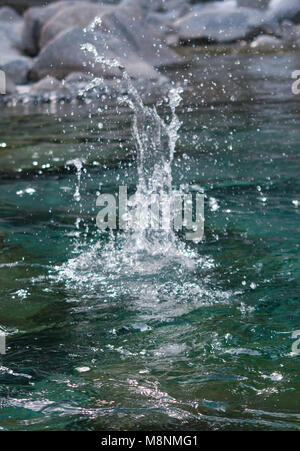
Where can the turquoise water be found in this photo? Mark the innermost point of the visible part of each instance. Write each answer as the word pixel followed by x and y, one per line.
pixel 100 340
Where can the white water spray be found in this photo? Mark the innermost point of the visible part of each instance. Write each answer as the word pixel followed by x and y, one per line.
pixel 155 141
pixel 144 251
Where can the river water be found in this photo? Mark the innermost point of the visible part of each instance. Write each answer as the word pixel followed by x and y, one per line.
pixel 202 340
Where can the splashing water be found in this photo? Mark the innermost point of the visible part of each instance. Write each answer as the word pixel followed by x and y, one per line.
pixel 78 165
pixel 155 141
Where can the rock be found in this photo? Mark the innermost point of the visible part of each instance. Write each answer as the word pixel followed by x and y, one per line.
pixel 290 34
pixel 266 42
pixel 79 77
pixel 78 82
pixel 105 91
pixel 179 7
pixel 296 34
pixel 15 65
pixel 64 55
pixel 148 5
pixel 9 15
pixel 162 22
pixel 223 26
pixel 70 16
pixel 285 9
pixel 22 5
pixel 215 6
pixel 258 4
pixel 122 34
pixel 126 24
pixel 34 19
pixel 11 25
pixel 131 28
pixel 50 87
pixel 47 84
pixel 160 6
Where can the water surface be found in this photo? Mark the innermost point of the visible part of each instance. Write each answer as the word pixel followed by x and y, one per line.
pixel 100 340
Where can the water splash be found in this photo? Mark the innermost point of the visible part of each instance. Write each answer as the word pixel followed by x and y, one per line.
pixel 136 252
pixel 78 165
pixel 155 141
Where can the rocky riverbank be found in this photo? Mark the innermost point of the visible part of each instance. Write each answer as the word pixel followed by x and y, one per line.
pixel 43 53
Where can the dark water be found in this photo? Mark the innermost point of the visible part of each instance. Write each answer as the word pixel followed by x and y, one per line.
pixel 97 341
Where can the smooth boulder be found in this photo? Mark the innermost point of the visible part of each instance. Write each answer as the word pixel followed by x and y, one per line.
pixel 285 10
pixel 266 42
pixel 258 4
pixel 290 34
pixel 65 55
pixel 12 62
pixel 78 14
pixel 34 19
pixel 130 27
pixel 9 15
pixel 49 86
pixel 23 5
pixel 223 26
pixel 11 25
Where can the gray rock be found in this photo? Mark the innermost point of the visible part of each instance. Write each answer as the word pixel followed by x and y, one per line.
pixel 64 55
pixel 162 22
pixel 125 23
pixel 285 9
pixel 123 34
pixel 223 26
pixel 16 67
pixel 9 15
pixel 23 5
pixel 10 86
pixel 266 42
pixel 131 28
pixel 12 62
pixel 290 34
pixel 47 84
pixel 149 5
pixel 180 6
pixel 79 77
pixel 50 86
pixel 11 25
pixel 161 26
pixel 216 6
pixel 258 4
pixel 80 14
pixel 296 34
pixel 34 19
